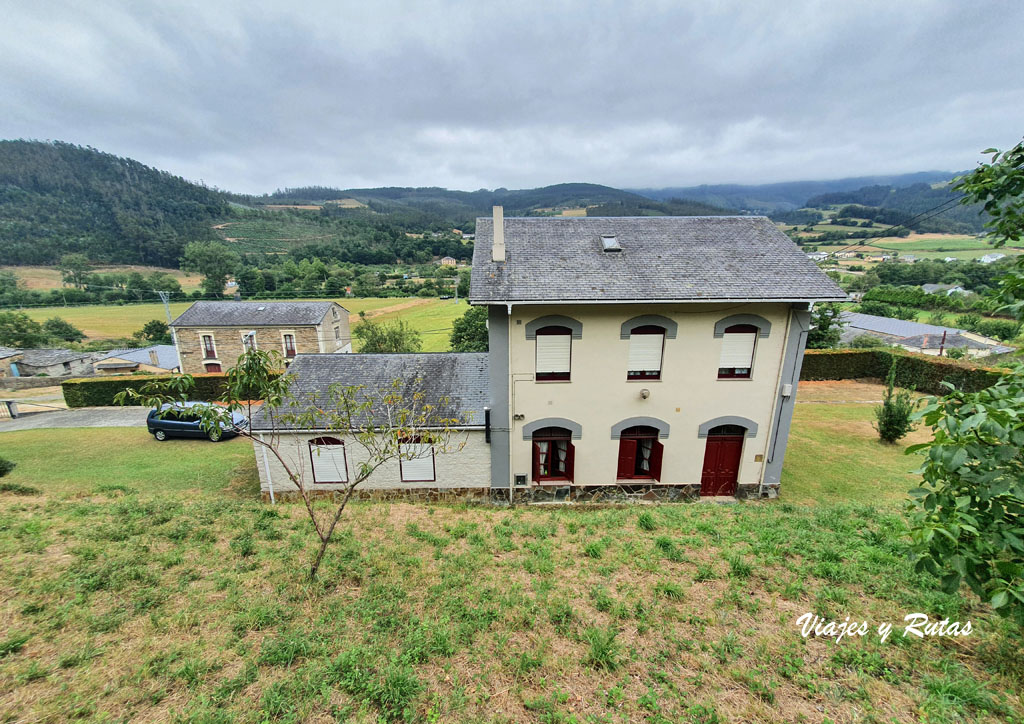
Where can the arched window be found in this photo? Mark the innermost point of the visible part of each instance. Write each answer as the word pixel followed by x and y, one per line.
pixel 640 454
pixel 646 345
pixel 554 353
pixel 327 457
pixel 737 357
pixel 213 367
pixel 554 454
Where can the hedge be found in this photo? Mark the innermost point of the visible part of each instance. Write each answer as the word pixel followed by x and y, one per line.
pixel 100 391
pixel 922 373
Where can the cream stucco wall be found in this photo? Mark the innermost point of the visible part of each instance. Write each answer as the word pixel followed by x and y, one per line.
pixel 689 392
pixel 469 467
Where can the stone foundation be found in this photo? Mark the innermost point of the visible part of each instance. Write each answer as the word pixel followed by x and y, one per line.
pixel 594 494
pixel 403 495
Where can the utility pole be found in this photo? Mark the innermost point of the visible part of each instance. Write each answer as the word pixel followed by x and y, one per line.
pixel 165 298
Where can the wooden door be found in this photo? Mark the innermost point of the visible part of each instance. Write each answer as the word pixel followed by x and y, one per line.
pixel 721 465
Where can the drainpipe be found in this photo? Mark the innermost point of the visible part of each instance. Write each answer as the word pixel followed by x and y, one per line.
pixel 942 344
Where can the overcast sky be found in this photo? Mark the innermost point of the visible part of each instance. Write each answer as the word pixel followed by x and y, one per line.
pixel 251 97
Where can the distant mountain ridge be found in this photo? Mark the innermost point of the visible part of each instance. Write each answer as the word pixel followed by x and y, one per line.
pixel 463 207
pixel 786 196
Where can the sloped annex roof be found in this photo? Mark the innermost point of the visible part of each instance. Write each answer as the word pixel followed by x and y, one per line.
pixel 461 378
pixel 894 327
pixel 253 314
pixel 167 356
pixel 47 357
pixel 662 258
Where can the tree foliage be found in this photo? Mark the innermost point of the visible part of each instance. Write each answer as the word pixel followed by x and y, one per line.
pixel 154 332
pixel 999 187
pixel 17 329
pixel 396 337
pixel 825 327
pixel 469 332
pixel 214 261
pixel 967 519
pixel 63 330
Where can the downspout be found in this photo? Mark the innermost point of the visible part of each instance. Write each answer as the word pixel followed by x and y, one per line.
pixel 266 467
pixel 769 447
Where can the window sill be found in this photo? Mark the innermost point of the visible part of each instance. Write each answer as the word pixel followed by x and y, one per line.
pixel 550 382
pixel 644 381
pixel 735 379
pixel 648 477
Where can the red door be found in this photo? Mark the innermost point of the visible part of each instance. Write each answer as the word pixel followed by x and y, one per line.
pixel 721 465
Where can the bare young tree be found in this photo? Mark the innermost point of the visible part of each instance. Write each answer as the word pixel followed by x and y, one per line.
pixel 396 421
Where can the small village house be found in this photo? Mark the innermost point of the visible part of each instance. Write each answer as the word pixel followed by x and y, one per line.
pixel 210 336
pixel 156 359
pixel 51 363
pixel 448 261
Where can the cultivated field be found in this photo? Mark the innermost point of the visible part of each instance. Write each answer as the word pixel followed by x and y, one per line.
pixel 47 277
pixel 432 317
pixel 275 234
pixel 144 583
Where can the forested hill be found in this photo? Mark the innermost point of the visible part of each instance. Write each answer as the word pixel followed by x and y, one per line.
pixel 913 201
pixel 57 198
pixel 432 205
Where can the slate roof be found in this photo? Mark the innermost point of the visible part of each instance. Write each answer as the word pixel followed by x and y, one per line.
pixel 460 377
pixel 167 356
pixel 892 327
pixel 6 352
pixel 252 314
pixel 663 258
pixel 47 357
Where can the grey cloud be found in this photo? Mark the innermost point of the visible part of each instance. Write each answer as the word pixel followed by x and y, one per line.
pixel 251 97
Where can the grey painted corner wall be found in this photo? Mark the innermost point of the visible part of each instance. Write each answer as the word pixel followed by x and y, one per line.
pixel 497 339
pixel 800 325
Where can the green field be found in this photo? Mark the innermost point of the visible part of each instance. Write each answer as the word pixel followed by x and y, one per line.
pixel 141 588
pixel 433 317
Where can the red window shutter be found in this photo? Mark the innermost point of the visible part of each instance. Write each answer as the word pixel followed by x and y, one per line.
pixel 627 458
pixel 536 461
pixel 657 450
pixel 570 462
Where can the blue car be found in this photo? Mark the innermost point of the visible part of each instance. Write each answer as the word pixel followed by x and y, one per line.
pixel 182 419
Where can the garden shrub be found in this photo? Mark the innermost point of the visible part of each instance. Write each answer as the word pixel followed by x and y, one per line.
pixel 893 415
pixel 100 391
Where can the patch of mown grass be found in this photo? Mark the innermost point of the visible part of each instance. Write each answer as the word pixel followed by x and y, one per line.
pixel 201 607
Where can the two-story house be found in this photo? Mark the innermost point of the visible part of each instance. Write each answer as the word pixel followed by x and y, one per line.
pixel 210 336
pixel 659 354
pixel 653 356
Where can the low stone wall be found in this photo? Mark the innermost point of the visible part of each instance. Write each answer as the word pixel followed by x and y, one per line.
pixel 29 383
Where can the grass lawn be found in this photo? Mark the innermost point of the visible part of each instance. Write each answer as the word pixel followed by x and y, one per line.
pixel 141 602
pixel 115 321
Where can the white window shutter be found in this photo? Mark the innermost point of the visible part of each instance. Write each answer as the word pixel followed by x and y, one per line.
pixel 738 350
pixel 553 351
pixel 329 463
pixel 417 462
pixel 645 352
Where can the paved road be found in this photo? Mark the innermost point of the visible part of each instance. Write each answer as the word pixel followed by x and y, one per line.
pixel 79 417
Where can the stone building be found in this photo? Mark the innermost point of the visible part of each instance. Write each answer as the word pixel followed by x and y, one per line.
pixel 211 336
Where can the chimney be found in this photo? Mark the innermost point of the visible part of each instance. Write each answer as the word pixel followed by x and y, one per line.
pixel 498 245
pixel 153 358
